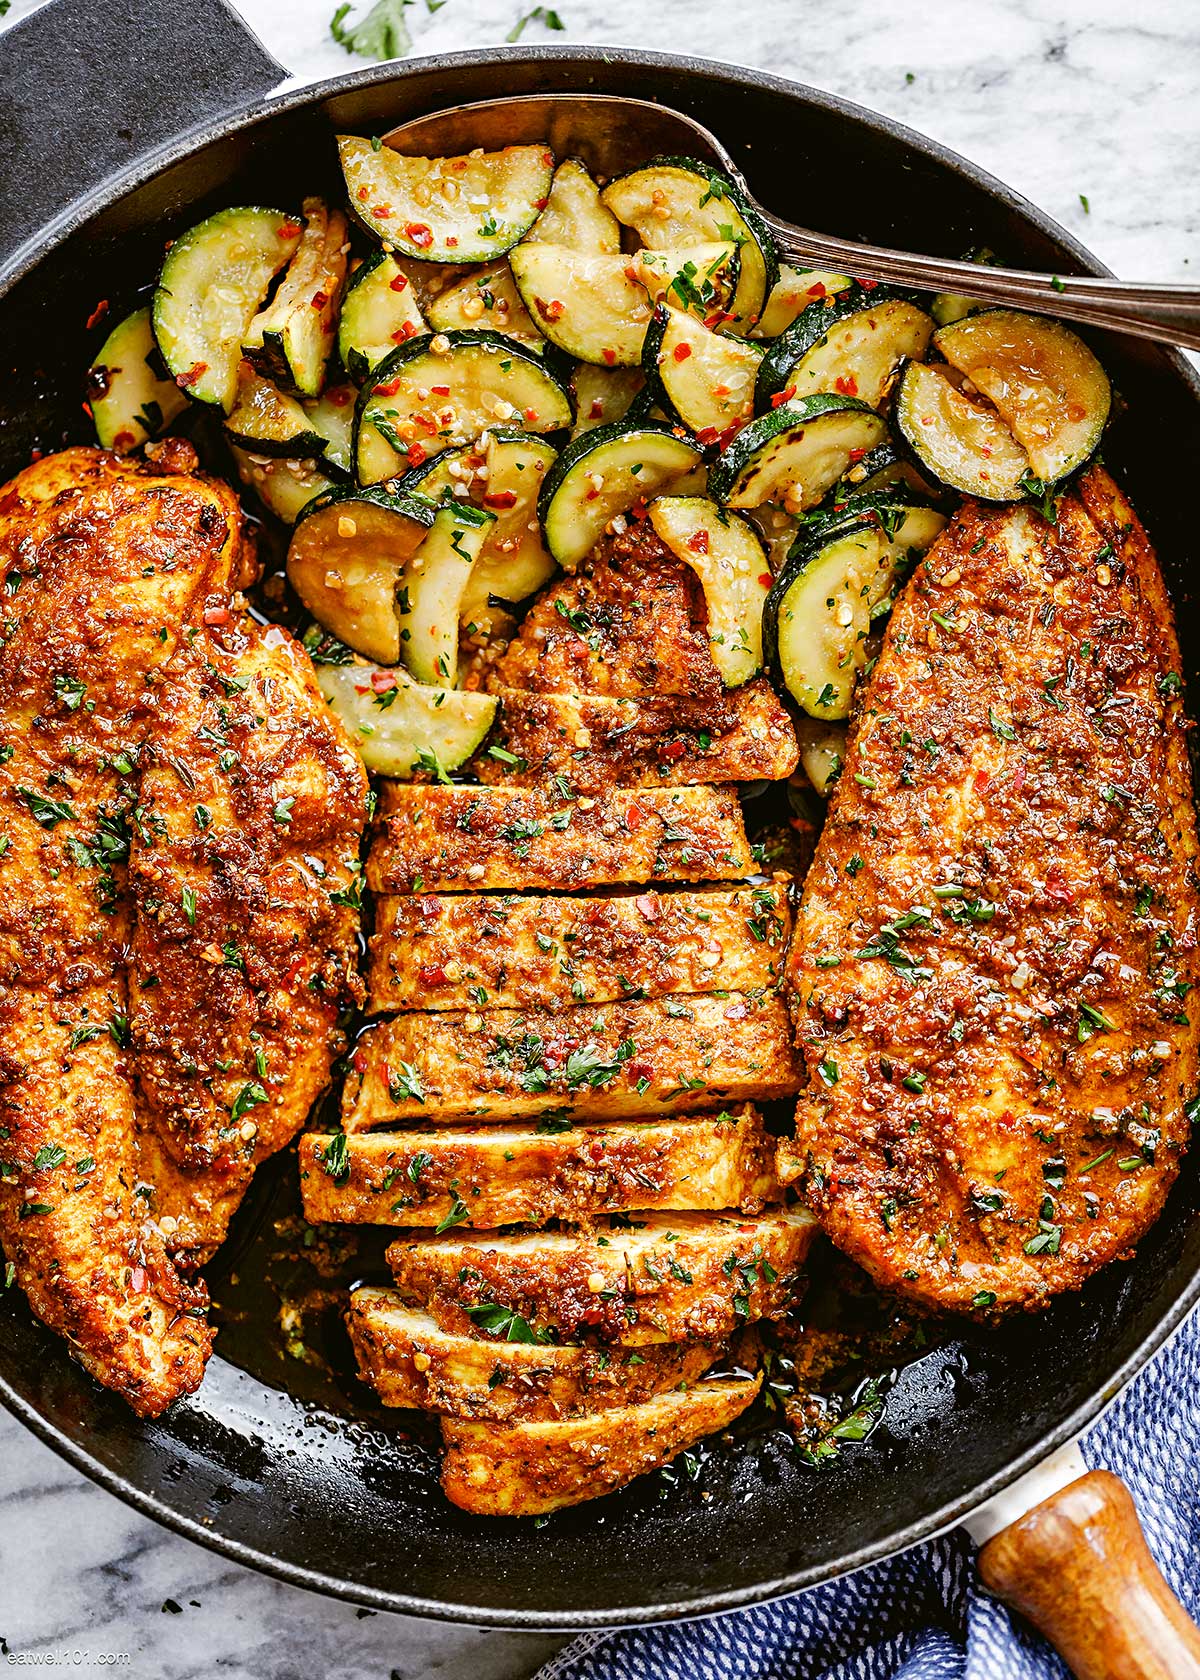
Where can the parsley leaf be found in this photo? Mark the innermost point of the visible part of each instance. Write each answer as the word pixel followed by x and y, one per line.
pixel 382 33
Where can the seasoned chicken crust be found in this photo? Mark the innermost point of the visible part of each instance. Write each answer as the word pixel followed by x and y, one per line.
pixel 996 954
pixel 124 1111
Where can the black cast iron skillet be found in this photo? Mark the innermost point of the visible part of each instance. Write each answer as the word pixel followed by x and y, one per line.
pixel 118 131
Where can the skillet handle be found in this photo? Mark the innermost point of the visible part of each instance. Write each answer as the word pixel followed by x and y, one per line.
pixel 88 87
pixel 1078 1567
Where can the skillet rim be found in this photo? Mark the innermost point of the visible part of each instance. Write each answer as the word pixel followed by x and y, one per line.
pixel 247 117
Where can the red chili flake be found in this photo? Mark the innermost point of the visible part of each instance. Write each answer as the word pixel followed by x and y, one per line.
pixel 429 906
pixel 399 283
pixel 124 440
pixel 531 415
pixel 592 494
pixel 137 1280
pixel 389 388
pixel 548 159
pixel 320 299
pixel 540 203
pixel 856 456
pixel 551 311
pixel 681 352
pixel 382 681
pixel 639 1070
pixel 216 615
pixel 427 424
pixel 780 397
pixel 868 285
pixel 501 499
pixel 847 384
pixel 193 375
pixel 432 974
pixel 648 906
pixel 404 333
pixel 340 396
pixel 817 291
pixel 364 192
pixel 673 750
pixel 717 319
pixel 765 579
pixel 417 455
pixel 596 412
pixel 289 230
pixel 452 239
pixel 634 816
pixel 97 315
pixel 420 234
pixel 736 1011
pixel 440 390
pixel 610 357
pixel 708 435
pixel 698 542
pixel 638 510
pixel 299 964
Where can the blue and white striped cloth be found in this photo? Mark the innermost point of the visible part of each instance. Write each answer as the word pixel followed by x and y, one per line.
pixel 922 1615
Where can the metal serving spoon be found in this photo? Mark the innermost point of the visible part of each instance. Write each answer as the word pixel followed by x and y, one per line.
pixel 607 131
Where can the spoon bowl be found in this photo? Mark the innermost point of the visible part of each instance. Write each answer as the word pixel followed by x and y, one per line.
pixel 608 132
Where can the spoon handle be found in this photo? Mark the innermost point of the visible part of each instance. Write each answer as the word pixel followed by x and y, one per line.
pixel 1168 314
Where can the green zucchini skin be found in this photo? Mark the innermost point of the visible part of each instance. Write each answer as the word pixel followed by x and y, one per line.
pixel 758 273
pixel 812 328
pixel 369 293
pixel 589 453
pixel 738 456
pixel 132 397
pixel 549 374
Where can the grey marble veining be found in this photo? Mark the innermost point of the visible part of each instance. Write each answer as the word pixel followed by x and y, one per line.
pixel 1059 98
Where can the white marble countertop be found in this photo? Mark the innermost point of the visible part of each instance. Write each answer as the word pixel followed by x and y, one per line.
pixel 1061 98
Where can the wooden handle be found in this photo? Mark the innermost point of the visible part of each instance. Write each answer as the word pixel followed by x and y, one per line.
pixel 1078 1567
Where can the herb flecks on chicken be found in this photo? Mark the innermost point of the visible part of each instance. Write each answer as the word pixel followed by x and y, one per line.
pixel 120 602
pixel 995 964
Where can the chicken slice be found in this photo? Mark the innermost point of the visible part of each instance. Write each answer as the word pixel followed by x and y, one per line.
pixel 612 1060
pixel 673 1277
pixel 528 1174
pixel 453 839
pixel 459 951
pixel 526 1469
pixel 411 1361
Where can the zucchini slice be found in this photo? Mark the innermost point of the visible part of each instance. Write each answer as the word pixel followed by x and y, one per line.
pixel 400 726
pixel 822 752
pixel 292 339
pixel 285 488
pixel 795 453
pixel 130 396
pixel 600 476
pixel 447 209
pixel 960 442
pixel 488 299
pixel 431 592
pixel 794 291
pixel 678 201
pixel 211 287
pixel 514 561
pixel 948 307
pixel 853 346
pixel 1045 384
pixel 379 311
pixel 724 552
pixel 884 467
pixel 268 422
pixel 575 216
pixel 819 611
pixel 707 377
pixel 347 558
pixel 444 389
pixel 597 307
pixel 604 395
pixel 331 416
